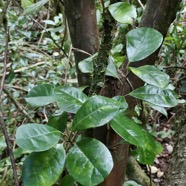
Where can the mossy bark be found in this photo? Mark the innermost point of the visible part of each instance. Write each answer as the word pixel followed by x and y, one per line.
pixel 135 173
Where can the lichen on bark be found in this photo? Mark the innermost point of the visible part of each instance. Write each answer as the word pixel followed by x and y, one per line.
pixel 100 62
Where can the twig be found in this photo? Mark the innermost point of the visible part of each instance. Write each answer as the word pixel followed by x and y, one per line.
pixel 26 68
pixel 127 79
pixel 66 70
pixel 65 32
pixel 31 66
pixel 82 51
pixel 3 126
pixel 168 67
pixel 141 4
pixel 48 33
pixel 48 16
pixel 103 5
pixel 69 56
pixel 17 104
pixel 150 174
pixel 3 13
pixel 16 87
pixel 36 49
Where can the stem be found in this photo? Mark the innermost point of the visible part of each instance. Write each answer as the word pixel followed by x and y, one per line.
pixel 3 126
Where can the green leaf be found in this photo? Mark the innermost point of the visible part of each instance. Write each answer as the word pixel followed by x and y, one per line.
pixel 26 3
pixel 147 154
pixel 95 112
pixel 144 156
pixel 49 22
pixel 131 183
pixel 152 75
pixel 43 168
pixel 86 65
pixel 151 144
pixel 127 129
pixel 67 181
pixel 69 99
pixel 89 162
pixel 159 109
pixel 35 7
pixel 111 70
pixel 41 95
pixel 37 137
pixel 155 96
pixel 142 42
pixel 10 77
pixel 122 100
pixel 123 12
pixel 59 122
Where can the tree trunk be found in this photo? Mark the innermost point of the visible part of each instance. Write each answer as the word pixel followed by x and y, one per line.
pixel 81 17
pixel 176 175
pixel 159 14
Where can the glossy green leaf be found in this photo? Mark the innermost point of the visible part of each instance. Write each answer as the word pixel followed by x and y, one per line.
pixel 123 12
pixel 147 154
pixel 86 66
pixel 95 112
pixel 122 100
pixel 43 168
pixel 111 70
pixel 89 162
pixel 159 109
pixel 67 181
pixel 41 95
pixel 69 99
pixel 35 7
pixel 152 75
pixel 127 129
pixel 151 144
pixel 144 156
pixel 142 42
pixel 155 96
pixel 58 121
pixel 37 137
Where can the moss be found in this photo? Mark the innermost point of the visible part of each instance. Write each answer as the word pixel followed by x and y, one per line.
pixel 134 172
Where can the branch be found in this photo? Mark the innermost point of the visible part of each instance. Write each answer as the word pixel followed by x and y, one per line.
pixel 17 104
pixel 3 13
pixel 169 67
pixel 3 126
pixel 141 4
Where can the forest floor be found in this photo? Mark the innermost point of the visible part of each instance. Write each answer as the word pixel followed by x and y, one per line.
pixel 164 129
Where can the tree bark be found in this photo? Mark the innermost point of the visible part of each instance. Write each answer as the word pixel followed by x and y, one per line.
pixel 81 17
pixel 176 175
